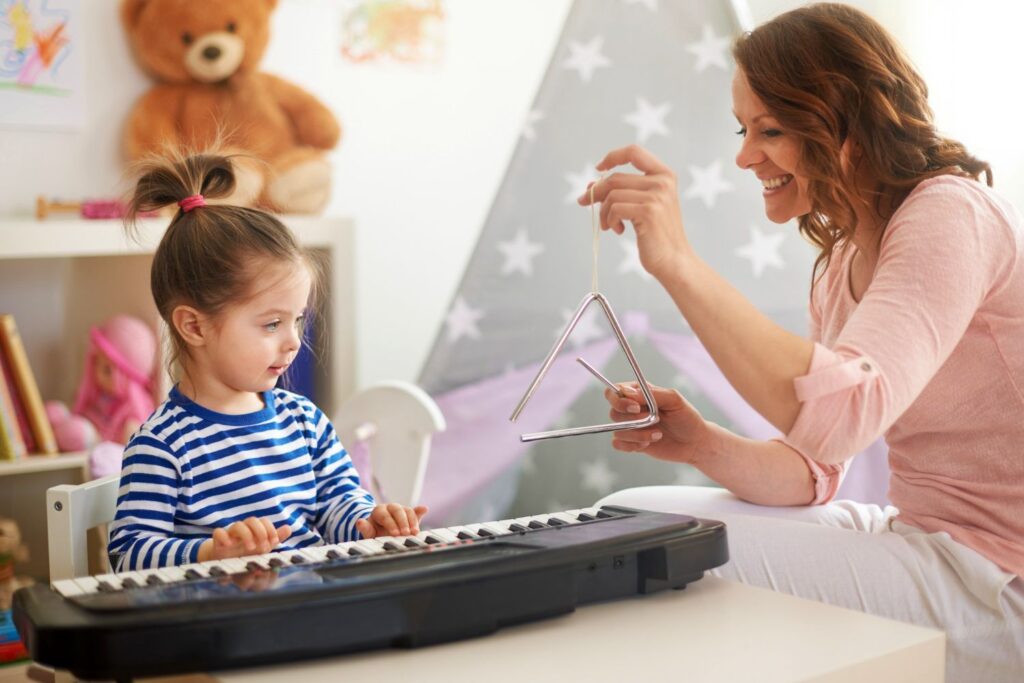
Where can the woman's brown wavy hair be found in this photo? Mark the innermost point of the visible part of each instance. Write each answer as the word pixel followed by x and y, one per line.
pixel 828 72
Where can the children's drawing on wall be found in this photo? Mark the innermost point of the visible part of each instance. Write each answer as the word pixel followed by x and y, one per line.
pixel 40 64
pixel 397 31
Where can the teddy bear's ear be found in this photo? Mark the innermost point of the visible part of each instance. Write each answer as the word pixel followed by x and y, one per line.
pixel 130 11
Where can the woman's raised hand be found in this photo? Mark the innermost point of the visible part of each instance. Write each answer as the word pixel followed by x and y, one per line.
pixel 679 435
pixel 649 201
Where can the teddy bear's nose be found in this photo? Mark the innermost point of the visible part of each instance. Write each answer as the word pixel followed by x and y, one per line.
pixel 211 53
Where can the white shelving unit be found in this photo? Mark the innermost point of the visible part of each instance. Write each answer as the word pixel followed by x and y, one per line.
pixel 41 463
pixel 61 276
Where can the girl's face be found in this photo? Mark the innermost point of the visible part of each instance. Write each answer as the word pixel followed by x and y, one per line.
pixel 772 153
pixel 254 342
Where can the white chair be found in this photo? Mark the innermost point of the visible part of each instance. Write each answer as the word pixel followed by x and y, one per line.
pixel 70 512
pixel 394 421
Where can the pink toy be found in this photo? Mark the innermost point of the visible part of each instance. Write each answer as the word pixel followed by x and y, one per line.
pixel 115 395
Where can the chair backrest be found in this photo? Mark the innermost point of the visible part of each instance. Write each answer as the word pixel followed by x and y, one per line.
pixel 394 421
pixel 70 512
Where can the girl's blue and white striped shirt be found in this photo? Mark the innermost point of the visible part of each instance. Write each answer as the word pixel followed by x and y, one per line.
pixel 189 470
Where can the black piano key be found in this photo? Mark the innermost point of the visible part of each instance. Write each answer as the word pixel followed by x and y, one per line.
pixel 253 566
pixel 536 524
pixel 584 517
pixel 484 533
pixel 514 526
pixel 128 583
pixel 412 543
pixel 601 514
pixel 355 552
pixel 465 536
pixel 153 580
pixel 430 540
pixel 391 547
pixel 217 571
pixel 105 587
pixel 554 521
pixel 192 574
pixel 298 559
pixel 333 554
pixel 275 562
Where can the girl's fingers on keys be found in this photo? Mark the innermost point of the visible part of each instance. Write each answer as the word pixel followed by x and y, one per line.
pixel 366 528
pixel 401 520
pixel 222 538
pixel 381 518
pixel 241 531
pixel 270 540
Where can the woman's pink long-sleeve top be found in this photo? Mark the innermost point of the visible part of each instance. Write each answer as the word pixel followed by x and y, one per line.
pixel 933 358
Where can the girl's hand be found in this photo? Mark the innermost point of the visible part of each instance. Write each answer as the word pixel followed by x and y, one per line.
pixel 254 536
pixel 680 435
pixel 392 519
pixel 649 201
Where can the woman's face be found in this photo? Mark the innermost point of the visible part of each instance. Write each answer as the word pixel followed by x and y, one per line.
pixel 772 153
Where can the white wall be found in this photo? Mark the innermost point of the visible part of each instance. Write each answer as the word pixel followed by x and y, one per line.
pixel 425 148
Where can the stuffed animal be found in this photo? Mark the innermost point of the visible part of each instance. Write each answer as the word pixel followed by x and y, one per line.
pixel 115 395
pixel 204 55
pixel 12 551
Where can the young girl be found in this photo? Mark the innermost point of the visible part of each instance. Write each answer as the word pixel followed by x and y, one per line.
pixel 917 334
pixel 229 465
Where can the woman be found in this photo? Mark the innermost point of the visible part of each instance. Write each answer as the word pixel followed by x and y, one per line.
pixel 917 334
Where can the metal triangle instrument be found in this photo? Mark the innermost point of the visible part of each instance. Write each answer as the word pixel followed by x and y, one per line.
pixel 645 388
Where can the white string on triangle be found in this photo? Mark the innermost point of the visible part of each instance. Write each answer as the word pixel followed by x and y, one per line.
pixel 596 230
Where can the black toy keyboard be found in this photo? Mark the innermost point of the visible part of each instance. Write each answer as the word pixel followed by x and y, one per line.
pixel 441 585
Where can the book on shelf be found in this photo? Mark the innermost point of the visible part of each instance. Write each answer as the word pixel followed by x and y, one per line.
pixel 12 444
pixel 14 353
pixel 20 420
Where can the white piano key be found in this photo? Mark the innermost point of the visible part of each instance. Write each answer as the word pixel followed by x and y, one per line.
pixel 460 529
pixel 371 545
pixel 88 584
pixel 561 517
pixel 446 535
pixel 423 535
pixel 315 553
pixel 495 528
pixel 171 574
pixel 232 565
pixel 259 560
pixel 201 568
pixel 112 580
pixel 68 588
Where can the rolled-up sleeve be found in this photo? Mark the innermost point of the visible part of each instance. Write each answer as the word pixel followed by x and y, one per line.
pixel 942 255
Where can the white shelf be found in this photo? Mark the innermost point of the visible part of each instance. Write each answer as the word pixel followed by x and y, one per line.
pixel 44 463
pixel 66 238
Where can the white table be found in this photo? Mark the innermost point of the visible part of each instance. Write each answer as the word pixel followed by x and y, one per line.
pixel 714 630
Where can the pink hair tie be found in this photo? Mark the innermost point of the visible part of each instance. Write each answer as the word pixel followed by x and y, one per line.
pixel 189 203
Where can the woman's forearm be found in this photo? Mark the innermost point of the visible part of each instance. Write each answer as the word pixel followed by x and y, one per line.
pixel 760 472
pixel 758 357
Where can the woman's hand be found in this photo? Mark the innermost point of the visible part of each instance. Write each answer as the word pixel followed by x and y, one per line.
pixel 254 536
pixel 649 201
pixel 392 519
pixel 679 435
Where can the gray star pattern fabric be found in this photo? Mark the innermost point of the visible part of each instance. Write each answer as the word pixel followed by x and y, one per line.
pixel 656 73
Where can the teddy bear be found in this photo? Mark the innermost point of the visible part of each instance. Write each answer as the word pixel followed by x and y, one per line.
pixel 209 93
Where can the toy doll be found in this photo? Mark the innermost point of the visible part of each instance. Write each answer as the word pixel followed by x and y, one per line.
pixel 115 394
